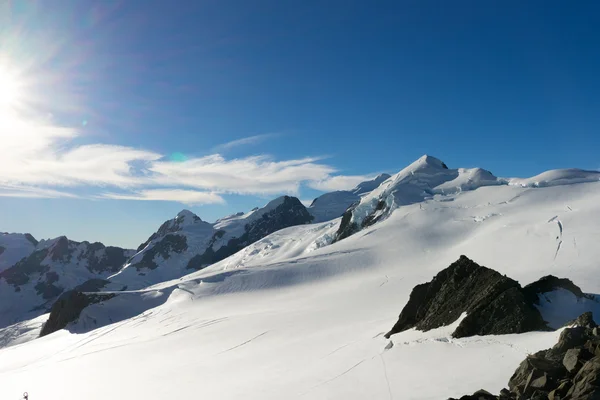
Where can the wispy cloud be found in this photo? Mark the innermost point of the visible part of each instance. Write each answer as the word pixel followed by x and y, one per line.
pixel 189 197
pixel 39 159
pixel 338 182
pixel 33 192
pixel 250 140
pixel 249 175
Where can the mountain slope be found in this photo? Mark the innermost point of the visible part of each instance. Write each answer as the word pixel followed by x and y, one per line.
pixel 29 287
pixel 187 243
pixel 428 177
pixel 293 317
pixel 14 247
pixel 332 205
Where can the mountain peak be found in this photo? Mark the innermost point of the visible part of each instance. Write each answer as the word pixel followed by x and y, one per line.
pixel 186 217
pixel 429 161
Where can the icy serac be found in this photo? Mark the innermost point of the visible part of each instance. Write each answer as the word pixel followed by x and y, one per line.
pixel 333 204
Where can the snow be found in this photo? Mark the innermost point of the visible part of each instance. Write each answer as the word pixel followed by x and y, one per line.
pixel 561 305
pixel 13 248
pixel 557 177
pixel 332 205
pixel 293 316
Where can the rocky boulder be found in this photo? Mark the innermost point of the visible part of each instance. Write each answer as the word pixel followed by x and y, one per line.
pixel 494 304
pixel 570 370
pixel 68 308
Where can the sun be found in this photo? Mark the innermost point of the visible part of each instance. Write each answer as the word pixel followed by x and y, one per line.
pixel 10 89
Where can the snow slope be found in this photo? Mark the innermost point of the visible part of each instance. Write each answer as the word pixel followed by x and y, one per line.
pixel 292 317
pixel 429 176
pixel 14 247
pixel 29 287
pixel 186 243
pixel 332 205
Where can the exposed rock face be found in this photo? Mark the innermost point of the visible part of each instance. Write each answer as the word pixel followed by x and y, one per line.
pixel 51 268
pixel 495 304
pixel 548 284
pixel 187 243
pixel 171 243
pixel 289 213
pixel 68 308
pixel 183 218
pixel 568 371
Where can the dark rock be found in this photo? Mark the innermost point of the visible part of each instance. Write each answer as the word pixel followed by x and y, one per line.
pixel 561 391
pixel 532 368
pixel 567 371
pixel 495 304
pixel 570 338
pixel 347 227
pixel 505 394
pixel 585 320
pixel 290 212
pixel 478 395
pixel 60 250
pixel 548 284
pixel 68 308
pixel 91 285
pixel 168 244
pixel 20 273
pixel 110 261
pixel 593 346
pixel 2 249
pixel 170 226
pixel 575 358
pixel 31 239
pixel 586 384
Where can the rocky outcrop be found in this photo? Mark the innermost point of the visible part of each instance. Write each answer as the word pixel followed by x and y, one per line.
pixel 50 269
pixel 183 218
pixel 568 371
pixel 171 243
pixel 68 308
pixel 288 213
pixel 549 284
pixel 494 303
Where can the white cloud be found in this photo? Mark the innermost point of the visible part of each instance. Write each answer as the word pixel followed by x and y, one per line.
pixel 189 197
pixel 32 192
pixel 250 140
pixel 38 159
pixel 250 175
pixel 339 182
pixel 37 154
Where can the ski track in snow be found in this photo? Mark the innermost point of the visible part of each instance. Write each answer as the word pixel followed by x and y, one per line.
pixel 245 343
pixel 332 379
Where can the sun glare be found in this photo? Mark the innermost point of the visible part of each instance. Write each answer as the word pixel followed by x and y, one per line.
pixel 9 89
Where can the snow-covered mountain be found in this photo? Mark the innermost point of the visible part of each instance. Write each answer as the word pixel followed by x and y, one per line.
pixel 298 314
pixel 187 243
pixel 14 247
pixel 30 286
pixel 428 177
pixel 333 204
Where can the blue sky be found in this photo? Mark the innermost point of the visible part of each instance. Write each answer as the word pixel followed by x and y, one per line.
pixel 124 112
